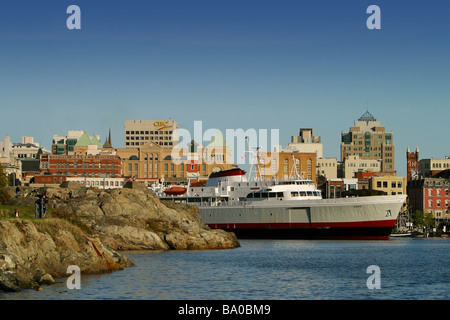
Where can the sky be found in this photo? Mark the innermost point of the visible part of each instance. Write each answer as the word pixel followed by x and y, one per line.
pixel 231 64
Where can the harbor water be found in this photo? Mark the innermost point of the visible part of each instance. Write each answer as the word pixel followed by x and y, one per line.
pixel 409 268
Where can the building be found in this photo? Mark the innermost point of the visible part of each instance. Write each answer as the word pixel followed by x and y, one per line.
pixel 100 166
pixel 152 162
pixel 431 195
pixel 27 148
pixel 334 188
pixel 353 164
pixel 75 142
pixel 391 185
pixel 306 142
pixel 327 167
pixel 161 132
pixel 431 167
pixel 369 140
pixel 285 165
pixel 412 168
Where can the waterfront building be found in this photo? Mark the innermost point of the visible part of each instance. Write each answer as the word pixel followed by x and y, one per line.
pixel 84 182
pixel 161 132
pixel 353 164
pixel 27 148
pixel 152 162
pixel 431 195
pixel 327 168
pixel 368 139
pixel 101 166
pixel 412 165
pixel 75 142
pixel 391 185
pixel 284 165
pixel 306 142
pixel 334 188
pixel 431 167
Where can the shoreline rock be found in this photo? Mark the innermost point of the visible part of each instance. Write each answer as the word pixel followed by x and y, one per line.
pixel 87 227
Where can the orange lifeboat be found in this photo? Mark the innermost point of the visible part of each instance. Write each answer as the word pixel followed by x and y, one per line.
pixel 175 191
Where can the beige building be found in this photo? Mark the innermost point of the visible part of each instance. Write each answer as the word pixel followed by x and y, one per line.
pixel 327 168
pixel 369 140
pixel 389 184
pixel 306 142
pixel 286 165
pixel 429 167
pixel 353 164
pixel 161 132
pixel 152 162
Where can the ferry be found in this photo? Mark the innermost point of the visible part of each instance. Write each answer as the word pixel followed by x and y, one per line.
pixel 291 209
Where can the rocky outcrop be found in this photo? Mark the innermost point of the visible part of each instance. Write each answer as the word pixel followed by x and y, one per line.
pixel 86 228
pixel 33 254
pixel 134 218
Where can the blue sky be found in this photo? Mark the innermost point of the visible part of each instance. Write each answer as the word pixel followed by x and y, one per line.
pixel 232 64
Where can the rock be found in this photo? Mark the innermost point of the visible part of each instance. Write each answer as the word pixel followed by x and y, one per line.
pixel 135 185
pixel 133 218
pixel 38 257
pixel 6 263
pixel 46 279
pixel 70 185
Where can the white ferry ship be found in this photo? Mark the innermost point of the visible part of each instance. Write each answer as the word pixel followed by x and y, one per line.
pixel 292 209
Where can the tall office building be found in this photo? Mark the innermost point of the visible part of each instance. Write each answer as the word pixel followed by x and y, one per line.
pixel 368 139
pixel 161 132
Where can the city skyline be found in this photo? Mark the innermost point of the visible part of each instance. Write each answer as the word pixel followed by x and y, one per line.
pixel 235 64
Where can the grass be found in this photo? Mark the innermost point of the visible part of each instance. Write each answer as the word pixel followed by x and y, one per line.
pixel 54 220
pixel 25 212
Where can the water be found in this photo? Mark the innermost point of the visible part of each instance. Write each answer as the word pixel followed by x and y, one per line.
pixel 273 270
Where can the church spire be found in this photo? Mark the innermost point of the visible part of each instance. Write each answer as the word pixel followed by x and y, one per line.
pixel 107 143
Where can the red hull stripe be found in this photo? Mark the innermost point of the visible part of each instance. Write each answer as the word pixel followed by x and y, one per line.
pixel 358 224
pixel 227 173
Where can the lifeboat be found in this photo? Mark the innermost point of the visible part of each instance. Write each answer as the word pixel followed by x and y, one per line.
pixel 175 191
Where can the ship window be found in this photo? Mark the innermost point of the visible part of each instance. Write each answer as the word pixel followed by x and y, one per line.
pixel 272 194
pixel 280 194
pixel 264 195
pixel 257 195
pixel 302 193
pixel 294 194
pixel 309 193
pixel 250 196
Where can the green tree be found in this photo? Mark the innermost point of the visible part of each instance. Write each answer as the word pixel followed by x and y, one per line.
pixel 419 219
pixel 3 177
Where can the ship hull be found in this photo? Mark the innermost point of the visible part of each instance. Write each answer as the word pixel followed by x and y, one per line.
pixel 344 218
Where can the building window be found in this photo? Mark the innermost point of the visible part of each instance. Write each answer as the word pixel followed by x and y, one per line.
pixel 430 203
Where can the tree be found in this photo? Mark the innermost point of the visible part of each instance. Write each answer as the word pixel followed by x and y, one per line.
pixel 420 219
pixel 3 177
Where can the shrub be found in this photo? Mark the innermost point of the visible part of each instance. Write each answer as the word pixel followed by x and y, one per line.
pixel 5 196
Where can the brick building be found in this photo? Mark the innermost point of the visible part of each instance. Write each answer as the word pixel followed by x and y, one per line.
pixel 430 195
pixel 95 166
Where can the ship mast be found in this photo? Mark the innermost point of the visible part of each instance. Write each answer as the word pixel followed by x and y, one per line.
pixel 253 155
